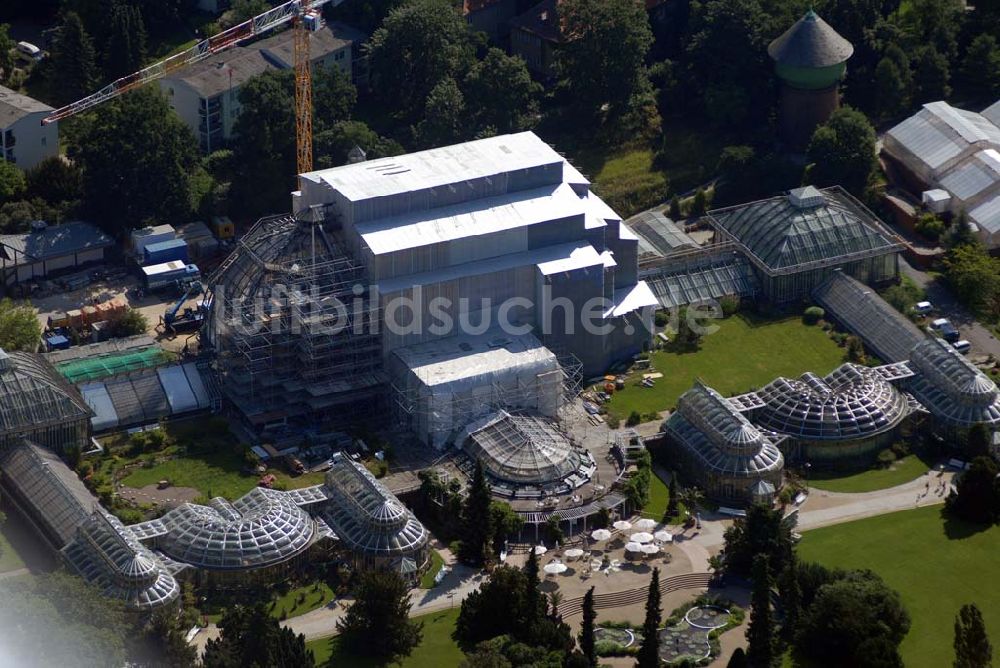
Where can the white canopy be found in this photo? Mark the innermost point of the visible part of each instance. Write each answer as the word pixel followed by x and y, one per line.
pixel 555 568
pixel 622 525
pixel 650 549
pixel 645 524
pixel 664 536
pixel 540 550
pixel 633 547
pixel 641 537
pixel 600 534
pixel 574 552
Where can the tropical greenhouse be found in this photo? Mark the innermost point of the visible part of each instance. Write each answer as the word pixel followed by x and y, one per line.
pixel 955 392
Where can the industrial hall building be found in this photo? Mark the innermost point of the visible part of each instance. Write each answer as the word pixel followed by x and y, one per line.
pixel 492 232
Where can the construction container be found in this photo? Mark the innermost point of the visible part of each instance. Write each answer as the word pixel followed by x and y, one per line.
pixel 223 228
pixel 201 243
pixel 165 251
pixel 57 320
pixel 168 274
pixel 150 235
pixel 56 342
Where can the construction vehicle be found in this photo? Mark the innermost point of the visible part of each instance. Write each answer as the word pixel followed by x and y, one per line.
pixel 175 320
pixel 304 15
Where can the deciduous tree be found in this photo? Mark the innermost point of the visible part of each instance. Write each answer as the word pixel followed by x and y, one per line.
pixel 842 151
pixel 381 611
pixel 6 52
pixel 977 496
pixel 19 328
pixel 500 93
pixel 972 645
pixel 981 67
pixel 12 182
pixel 445 119
pixel 932 76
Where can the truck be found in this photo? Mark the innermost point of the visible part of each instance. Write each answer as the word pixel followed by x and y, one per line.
pixel 165 251
pixel 174 274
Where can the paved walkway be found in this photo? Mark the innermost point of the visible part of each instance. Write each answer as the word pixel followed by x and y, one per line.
pixel 981 338
pixel 17 572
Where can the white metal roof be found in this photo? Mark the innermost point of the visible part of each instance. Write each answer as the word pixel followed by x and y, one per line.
pixel 579 258
pixel 987 215
pixel 627 300
pixel 441 166
pixel 468 219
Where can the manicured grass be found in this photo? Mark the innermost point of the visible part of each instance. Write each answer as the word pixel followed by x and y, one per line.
pixel 10 559
pixel 659 498
pixel 437 649
pixel 427 581
pixel 902 471
pixel 746 352
pixel 287 605
pixel 629 183
pixel 937 564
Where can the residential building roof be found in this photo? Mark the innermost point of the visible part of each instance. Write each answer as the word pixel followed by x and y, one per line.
pixel 541 20
pixel 14 106
pixel 810 43
pixel 790 231
pixel 53 241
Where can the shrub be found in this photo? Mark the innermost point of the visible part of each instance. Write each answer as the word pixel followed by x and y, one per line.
pixel 661 318
pixel 900 449
pixel 886 458
pixel 812 315
pixel 613 420
pixel 930 226
pixel 730 304
pixel 633 419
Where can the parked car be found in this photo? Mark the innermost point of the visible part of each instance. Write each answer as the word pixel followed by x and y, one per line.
pixel 29 52
pixel 923 308
pixel 947 330
pixel 962 346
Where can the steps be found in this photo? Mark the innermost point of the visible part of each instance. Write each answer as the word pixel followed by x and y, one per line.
pixel 619 599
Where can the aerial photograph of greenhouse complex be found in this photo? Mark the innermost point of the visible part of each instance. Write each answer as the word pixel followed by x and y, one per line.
pixel 499 333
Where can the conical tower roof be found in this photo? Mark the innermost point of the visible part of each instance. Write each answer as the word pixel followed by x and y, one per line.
pixel 811 42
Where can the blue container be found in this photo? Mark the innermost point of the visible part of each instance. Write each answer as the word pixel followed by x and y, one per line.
pixel 165 251
pixel 56 342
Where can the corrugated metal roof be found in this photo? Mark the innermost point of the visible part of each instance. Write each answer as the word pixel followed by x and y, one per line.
pixel 54 241
pixel 987 215
pixel 97 397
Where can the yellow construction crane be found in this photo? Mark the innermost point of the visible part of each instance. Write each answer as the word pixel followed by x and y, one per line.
pixel 304 15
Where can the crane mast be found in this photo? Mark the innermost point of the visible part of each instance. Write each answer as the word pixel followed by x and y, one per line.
pixel 303 96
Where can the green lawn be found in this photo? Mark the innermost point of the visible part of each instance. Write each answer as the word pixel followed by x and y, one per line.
pixel 659 497
pixel 937 566
pixel 629 183
pixel 746 352
pixel 902 471
pixel 427 581
pixel 436 651
pixel 288 606
pixel 10 558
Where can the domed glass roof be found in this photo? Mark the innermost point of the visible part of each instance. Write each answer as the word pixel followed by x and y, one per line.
pixel 263 527
pixel 951 388
pixel 851 402
pixel 522 449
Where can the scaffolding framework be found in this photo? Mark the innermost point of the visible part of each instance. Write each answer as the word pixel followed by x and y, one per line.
pixel 294 325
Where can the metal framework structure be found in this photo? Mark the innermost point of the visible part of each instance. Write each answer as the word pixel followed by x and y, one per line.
pixel 954 391
pixel 224 40
pixel 303 98
pixel 295 329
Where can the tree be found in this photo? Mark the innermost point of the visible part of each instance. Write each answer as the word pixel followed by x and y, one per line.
pixel 974 277
pixel 166 643
pixel 125 51
pixel 851 616
pixel 977 441
pixel 675 208
pixel 700 202
pixel 500 93
pixel 649 651
pixel 331 147
pixel 244 10
pixel 738 659
pixel 672 507
pixel 981 67
pixel 972 645
pixel 843 151
pixel 977 496
pixel 505 522
pixel 137 157
pixel 477 533
pixel 12 182
pixel 553 529
pixel 791 598
pixel 961 233
pixel 418 45
pixel 533 603
pixel 54 180
pixel 586 637
pixel 893 91
pixel 931 76
pixel 601 60
pixel 6 52
pixel 250 636
pixel 761 648
pixel 762 531
pixel 19 328
pixel 444 116
pixel 381 610
pixel 131 323
pixel 72 61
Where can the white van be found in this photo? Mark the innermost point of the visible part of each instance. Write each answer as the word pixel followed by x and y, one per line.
pixel 962 346
pixel 30 52
pixel 923 308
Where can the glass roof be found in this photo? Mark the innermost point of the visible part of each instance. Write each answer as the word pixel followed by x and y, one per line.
pixel 782 235
pixel 720 437
pixel 106 554
pixel 366 516
pixel 851 402
pixel 523 449
pixel 951 387
pixel 32 394
pixel 689 285
pixel 262 528
pixel 659 236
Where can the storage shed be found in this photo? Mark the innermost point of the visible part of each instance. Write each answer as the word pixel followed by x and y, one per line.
pixel 50 249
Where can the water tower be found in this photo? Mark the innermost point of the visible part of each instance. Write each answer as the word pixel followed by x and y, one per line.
pixel 810 59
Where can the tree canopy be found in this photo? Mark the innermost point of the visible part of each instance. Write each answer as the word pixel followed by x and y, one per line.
pixel 760 532
pixel 73 61
pixel 12 182
pixel 842 151
pixel 974 276
pixel 250 636
pixel 137 157
pixel 977 496
pixel 381 610
pixel 19 327
pixel 972 644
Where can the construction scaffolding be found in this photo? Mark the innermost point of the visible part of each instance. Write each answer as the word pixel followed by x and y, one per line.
pixel 294 327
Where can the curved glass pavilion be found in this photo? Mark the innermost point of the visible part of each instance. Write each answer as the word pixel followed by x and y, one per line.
pixel 721 450
pixel 955 392
pixel 851 413
pixel 522 449
pixel 371 522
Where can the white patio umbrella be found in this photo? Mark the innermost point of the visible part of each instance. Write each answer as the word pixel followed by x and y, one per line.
pixel 650 549
pixel 645 524
pixel 574 552
pixel 540 550
pixel 600 534
pixel 641 537
pixel 555 568
pixel 622 525
pixel 664 536
pixel 633 547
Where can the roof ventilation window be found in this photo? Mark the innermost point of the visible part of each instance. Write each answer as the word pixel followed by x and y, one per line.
pixel 806 198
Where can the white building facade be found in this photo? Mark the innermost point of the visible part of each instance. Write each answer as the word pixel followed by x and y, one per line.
pixel 24 140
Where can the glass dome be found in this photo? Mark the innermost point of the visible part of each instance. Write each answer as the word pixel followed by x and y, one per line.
pixel 851 402
pixel 523 450
pixel 951 388
pixel 262 528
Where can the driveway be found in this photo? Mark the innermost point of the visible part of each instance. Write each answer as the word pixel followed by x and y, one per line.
pixel 982 339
